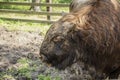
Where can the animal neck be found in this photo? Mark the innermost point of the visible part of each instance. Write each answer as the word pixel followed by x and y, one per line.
pixel 82 10
pixel 76 5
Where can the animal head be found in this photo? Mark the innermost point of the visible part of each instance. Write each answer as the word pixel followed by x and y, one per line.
pixel 57 48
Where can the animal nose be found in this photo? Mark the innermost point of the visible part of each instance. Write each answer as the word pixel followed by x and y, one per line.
pixel 42 55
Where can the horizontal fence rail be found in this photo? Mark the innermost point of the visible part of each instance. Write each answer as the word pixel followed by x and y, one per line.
pixel 28 20
pixel 34 4
pixel 30 12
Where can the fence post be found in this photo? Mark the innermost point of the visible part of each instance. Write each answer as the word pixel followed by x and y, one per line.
pixel 49 9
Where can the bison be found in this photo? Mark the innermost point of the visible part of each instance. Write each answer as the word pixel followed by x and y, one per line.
pixel 90 34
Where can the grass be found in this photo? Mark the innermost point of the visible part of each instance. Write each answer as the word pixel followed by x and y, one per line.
pixel 28 26
pixel 43 77
pixel 24 69
pixel 8 77
pixel 24 26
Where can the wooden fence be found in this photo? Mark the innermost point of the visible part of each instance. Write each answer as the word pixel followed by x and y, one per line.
pixel 48 13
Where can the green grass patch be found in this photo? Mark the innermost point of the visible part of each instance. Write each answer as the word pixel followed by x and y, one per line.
pixel 43 77
pixel 24 26
pixel 8 77
pixel 24 69
pixel 29 26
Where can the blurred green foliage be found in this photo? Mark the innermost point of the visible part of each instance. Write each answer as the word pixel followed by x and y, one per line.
pixel 18 7
pixel 54 1
pixel 43 77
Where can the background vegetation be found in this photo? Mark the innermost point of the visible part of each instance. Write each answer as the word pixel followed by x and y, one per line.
pixel 28 26
pixel 55 1
pixel 26 8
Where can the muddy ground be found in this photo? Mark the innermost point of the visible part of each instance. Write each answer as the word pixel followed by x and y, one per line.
pixel 19 59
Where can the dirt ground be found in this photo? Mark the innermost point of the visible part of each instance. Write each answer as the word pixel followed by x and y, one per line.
pixel 16 45
pixel 19 45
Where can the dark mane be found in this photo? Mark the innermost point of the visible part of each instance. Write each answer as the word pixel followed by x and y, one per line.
pixel 77 4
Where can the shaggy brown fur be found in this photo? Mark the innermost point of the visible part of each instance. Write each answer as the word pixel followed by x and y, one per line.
pixel 89 34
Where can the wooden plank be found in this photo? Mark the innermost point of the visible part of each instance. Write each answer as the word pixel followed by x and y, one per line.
pixel 28 20
pixel 37 4
pixel 30 12
pixel 48 9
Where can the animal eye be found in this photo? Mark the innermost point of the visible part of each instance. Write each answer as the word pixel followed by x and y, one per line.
pixel 58 39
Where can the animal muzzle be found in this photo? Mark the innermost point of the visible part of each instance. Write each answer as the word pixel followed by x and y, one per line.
pixel 45 60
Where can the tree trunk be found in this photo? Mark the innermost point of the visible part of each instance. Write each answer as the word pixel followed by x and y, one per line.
pixel 35 8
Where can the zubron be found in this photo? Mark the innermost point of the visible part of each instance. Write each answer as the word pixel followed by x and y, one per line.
pixel 90 34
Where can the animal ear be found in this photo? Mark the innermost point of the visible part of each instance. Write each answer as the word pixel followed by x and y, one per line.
pixel 80 34
pixel 83 33
pixel 68 27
